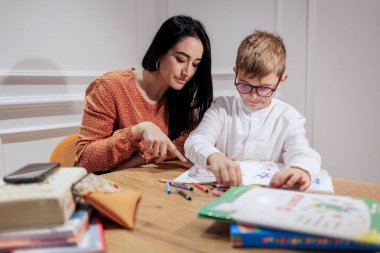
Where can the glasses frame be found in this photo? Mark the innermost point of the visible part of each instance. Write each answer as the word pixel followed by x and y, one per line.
pixel 253 87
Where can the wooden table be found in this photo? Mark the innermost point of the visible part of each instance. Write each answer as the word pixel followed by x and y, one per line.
pixel 168 223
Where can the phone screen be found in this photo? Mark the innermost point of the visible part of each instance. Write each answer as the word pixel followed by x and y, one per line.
pixel 31 173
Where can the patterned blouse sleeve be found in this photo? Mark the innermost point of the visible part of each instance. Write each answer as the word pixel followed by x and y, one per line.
pixel 99 148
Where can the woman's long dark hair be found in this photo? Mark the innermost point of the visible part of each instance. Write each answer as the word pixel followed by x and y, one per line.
pixel 197 94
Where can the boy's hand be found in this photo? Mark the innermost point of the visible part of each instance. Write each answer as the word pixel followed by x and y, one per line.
pixel 290 177
pixel 225 170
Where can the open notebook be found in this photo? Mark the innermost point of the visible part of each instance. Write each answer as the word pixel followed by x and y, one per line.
pixel 255 172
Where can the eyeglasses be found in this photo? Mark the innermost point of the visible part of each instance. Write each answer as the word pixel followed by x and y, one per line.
pixel 262 91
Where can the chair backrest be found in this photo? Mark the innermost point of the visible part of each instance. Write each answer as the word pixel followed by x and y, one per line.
pixel 64 151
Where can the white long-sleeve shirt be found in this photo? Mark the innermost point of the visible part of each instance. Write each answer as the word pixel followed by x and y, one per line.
pixel 275 133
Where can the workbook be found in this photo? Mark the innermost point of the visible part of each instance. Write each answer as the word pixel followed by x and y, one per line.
pixel 255 237
pixel 257 173
pixel 341 217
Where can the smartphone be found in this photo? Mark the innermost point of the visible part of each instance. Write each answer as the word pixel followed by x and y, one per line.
pixel 31 173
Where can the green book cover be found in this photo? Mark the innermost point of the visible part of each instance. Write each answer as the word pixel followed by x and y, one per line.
pixel 211 212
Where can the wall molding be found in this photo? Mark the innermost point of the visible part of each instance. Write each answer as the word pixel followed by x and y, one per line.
pixel 74 77
pixel 45 127
pixel 278 10
pixel 20 102
pixel 14 127
pixel 48 77
pixel 2 161
pixel 34 73
pixel 310 68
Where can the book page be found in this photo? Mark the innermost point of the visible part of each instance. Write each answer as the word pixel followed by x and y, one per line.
pixel 323 183
pixel 196 174
pixel 259 173
pixel 326 215
pixel 254 172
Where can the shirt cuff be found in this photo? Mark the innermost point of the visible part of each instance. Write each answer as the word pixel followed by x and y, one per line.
pixel 205 154
pixel 312 170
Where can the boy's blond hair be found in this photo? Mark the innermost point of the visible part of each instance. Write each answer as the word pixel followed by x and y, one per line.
pixel 261 54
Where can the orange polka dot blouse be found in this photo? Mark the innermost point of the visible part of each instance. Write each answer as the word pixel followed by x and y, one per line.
pixel 113 106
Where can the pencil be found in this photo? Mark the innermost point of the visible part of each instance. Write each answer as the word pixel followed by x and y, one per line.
pixel 201 187
pixel 183 186
pixel 163 180
pixel 183 194
pixel 168 191
pixel 217 193
pixel 222 186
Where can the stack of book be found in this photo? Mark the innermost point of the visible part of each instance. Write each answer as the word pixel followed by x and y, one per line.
pixel 92 240
pixel 43 215
pixel 277 218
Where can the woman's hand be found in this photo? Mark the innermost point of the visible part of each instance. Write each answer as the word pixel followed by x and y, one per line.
pixel 158 144
pixel 290 177
pixel 225 170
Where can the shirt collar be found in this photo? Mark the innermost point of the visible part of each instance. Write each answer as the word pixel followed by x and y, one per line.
pixel 251 112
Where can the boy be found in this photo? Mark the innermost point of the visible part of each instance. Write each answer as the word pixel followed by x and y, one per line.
pixel 253 125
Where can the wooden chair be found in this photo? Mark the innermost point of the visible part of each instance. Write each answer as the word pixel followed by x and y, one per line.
pixel 64 151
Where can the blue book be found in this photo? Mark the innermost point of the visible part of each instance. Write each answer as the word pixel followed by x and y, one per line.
pixel 251 236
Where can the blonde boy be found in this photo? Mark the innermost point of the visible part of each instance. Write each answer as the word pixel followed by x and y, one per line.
pixel 253 125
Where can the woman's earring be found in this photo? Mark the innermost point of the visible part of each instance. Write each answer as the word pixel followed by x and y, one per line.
pixel 157 64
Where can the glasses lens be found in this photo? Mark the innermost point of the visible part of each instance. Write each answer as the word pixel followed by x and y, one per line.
pixel 243 88
pixel 264 91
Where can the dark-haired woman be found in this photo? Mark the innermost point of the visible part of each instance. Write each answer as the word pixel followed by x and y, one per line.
pixel 141 116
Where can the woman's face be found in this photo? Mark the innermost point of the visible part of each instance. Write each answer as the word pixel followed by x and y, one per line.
pixel 180 63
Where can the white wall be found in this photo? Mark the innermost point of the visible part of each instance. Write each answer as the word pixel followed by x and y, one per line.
pixel 51 50
pixel 346 119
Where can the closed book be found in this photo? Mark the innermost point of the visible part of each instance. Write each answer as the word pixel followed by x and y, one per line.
pixel 251 236
pixel 69 233
pixel 213 211
pixel 92 241
pixel 46 203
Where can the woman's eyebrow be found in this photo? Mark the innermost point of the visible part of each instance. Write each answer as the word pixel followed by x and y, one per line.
pixel 186 55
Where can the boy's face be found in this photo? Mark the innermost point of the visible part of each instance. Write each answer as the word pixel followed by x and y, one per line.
pixel 252 99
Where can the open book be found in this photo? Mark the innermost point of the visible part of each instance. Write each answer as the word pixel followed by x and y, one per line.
pixel 342 217
pixel 255 172
pixel 324 215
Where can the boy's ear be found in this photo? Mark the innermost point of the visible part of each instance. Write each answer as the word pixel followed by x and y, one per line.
pixel 235 69
pixel 284 77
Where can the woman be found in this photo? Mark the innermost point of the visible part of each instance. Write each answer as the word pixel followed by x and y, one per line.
pixel 141 116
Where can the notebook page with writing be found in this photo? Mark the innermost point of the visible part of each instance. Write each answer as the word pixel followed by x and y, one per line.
pixel 254 172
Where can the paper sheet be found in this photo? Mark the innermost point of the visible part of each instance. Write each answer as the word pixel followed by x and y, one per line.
pixel 254 172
